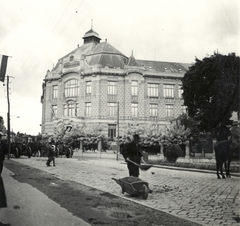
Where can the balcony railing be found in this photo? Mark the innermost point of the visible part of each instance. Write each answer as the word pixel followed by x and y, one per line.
pixel 112 98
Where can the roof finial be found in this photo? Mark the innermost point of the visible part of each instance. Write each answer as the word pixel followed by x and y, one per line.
pixel 92 24
pixel 132 52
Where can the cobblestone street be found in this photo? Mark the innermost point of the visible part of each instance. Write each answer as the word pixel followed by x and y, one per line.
pixel 199 197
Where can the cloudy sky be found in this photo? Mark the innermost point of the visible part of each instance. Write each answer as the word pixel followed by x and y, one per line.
pixel 37 33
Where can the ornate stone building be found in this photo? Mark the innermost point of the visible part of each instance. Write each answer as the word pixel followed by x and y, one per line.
pixel 92 82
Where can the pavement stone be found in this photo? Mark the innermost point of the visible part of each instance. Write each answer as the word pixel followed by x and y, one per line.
pixel 196 196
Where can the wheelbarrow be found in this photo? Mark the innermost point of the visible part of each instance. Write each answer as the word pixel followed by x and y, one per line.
pixel 134 186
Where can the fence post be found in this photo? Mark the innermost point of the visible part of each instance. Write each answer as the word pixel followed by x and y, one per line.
pixel 161 151
pixel 187 156
pixel 214 141
pixel 99 148
pixel 81 147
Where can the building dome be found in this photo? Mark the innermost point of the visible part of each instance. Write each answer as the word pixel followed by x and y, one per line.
pixel 93 52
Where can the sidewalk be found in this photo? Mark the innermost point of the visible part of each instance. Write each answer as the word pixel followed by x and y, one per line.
pixel 197 196
pixel 29 206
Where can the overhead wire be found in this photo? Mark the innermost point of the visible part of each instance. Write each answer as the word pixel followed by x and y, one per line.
pixel 27 55
pixel 67 22
pixel 23 74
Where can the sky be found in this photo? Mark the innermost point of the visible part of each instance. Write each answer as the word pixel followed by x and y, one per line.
pixel 35 34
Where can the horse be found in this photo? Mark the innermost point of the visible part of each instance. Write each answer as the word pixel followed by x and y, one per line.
pixel 223 153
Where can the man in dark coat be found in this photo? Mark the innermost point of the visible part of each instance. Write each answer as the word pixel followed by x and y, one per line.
pixel 3 151
pixel 51 154
pixel 132 151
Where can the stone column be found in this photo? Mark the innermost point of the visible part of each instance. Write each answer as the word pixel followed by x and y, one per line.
pixel 214 141
pixel 99 148
pixel 187 156
pixel 161 156
pixel 81 148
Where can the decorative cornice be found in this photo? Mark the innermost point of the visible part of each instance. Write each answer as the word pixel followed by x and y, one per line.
pixel 131 71
pixel 51 79
pixel 70 71
pixel 163 75
pixel 93 71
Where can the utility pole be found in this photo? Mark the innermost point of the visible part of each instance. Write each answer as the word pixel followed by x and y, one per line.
pixel 3 68
pixel 8 119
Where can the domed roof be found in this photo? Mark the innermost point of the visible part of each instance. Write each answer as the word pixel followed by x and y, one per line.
pixel 107 56
pixel 94 53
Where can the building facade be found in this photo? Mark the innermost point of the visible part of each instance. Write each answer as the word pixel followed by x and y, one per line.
pixel 97 84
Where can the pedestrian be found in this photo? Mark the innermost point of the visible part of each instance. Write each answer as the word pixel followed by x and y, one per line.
pixel 132 152
pixel 3 146
pixel 3 151
pixel 51 154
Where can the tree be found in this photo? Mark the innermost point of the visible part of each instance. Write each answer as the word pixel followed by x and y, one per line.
pixel 1 123
pixel 189 123
pixel 2 127
pixel 211 92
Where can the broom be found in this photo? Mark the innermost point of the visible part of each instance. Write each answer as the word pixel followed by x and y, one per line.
pixel 143 167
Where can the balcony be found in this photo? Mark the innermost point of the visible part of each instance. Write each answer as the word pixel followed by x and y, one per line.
pixel 134 98
pixel 169 100
pixel 112 98
pixel 88 97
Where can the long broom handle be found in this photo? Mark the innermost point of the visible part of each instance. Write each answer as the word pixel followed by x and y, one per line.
pixel 133 162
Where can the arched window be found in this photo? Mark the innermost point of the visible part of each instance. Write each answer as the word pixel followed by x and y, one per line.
pixel 71 88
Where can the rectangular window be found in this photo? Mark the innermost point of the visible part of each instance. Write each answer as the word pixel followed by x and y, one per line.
pixel 88 109
pixel 71 109
pixel 134 109
pixel 169 110
pixel 153 110
pixel 55 91
pixel 184 109
pixel 112 88
pixel 134 88
pixel 168 91
pixel 180 91
pixel 88 88
pixel 153 90
pixel 112 109
pixel 111 131
pixel 54 111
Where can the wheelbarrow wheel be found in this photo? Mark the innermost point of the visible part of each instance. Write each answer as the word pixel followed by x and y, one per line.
pixel 144 192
